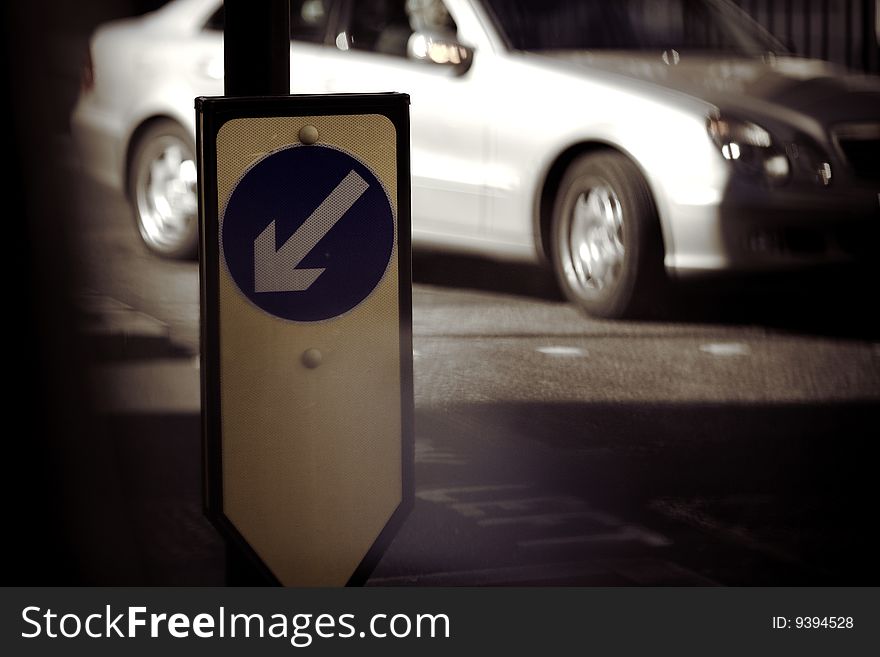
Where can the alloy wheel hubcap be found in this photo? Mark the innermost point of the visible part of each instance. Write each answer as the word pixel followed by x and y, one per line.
pixel 595 240
pixel 166 194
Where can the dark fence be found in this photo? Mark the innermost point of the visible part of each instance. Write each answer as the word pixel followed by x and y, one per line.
pixel 841 31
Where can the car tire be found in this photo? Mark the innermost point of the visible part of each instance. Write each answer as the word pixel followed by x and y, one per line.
pixel 606 245
pixel 163 192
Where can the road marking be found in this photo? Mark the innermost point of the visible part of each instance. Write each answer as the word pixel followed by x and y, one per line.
pixel 276 270
pixel 557 510
pixel 598 572
pixel 502 575
pixel 427 453
pixel 625 533
pixel 555 350
pixel 550 519
pixel 651 571
pixel 447 495
pixel 726 349
pixel 693 515
pixel 478 509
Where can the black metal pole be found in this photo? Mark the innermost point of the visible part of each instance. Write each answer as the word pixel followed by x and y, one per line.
pixel 256 48
pixel 256 60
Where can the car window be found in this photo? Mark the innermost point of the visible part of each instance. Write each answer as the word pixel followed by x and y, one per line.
pixel 308 20
pixel 385 26
pixel 687 25
pixel 217 20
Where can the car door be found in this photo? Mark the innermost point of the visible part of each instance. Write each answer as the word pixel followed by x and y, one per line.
pixel 448 136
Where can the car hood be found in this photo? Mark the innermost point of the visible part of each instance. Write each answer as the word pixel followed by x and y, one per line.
pixel 793 89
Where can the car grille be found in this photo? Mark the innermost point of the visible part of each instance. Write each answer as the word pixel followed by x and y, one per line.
pixel 859 143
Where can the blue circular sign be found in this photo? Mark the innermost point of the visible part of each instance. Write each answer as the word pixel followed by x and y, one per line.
pixel 307 233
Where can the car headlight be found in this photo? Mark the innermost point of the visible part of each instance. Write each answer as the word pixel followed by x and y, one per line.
pixel 750 148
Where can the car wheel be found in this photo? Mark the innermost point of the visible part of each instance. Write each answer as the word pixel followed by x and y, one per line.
pixel 606 244
pixel 162 188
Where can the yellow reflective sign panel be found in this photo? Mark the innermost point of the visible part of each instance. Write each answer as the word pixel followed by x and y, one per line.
pixel 306 329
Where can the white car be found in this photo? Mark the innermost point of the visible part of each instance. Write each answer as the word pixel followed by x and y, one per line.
pixel 618 141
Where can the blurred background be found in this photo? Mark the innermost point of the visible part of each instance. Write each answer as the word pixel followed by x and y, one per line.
pixel 843 32
pixel 726 436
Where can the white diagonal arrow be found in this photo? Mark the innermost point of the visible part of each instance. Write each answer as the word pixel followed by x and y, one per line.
pixel 275 270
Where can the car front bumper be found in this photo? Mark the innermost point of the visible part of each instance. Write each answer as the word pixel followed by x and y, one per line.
pixel 753 230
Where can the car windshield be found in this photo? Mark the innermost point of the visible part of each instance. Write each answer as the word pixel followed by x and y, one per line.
pixel 632 25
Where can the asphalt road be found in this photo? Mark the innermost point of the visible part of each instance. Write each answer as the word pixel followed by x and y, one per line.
pixel 733 441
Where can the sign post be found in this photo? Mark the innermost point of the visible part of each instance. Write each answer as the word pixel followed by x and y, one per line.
pixel 256 48
pixel 306 316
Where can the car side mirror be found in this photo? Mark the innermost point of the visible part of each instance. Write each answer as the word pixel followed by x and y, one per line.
pixel 439 50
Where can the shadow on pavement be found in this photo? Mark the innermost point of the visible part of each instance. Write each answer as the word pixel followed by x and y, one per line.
pixel 475 273
pixel 145 392
pixel 752 493
pixel 833 302
pixel 158 457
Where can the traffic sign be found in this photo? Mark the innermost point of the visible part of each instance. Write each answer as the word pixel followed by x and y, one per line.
pixel 316 253
pixel 306 329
